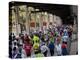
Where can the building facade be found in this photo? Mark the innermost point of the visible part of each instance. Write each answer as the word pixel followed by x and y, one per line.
pixel 26 19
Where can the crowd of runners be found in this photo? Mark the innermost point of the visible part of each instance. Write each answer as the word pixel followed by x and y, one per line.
pixel 40 43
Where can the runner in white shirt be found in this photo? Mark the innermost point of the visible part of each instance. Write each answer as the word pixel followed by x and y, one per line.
pixel 58 49
pixel 44 50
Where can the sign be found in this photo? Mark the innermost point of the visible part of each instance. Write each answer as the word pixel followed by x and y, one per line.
pixel 50 23
pixel 32 24
pixel 44 23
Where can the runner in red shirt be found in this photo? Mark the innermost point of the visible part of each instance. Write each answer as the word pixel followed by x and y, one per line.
pixel 28 48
